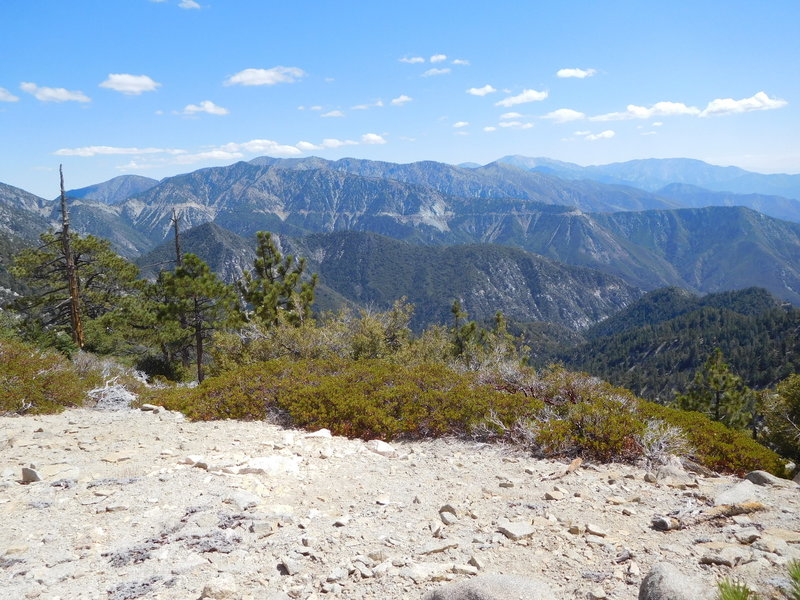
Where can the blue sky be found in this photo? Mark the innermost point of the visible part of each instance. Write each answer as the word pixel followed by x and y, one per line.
pixel 157 88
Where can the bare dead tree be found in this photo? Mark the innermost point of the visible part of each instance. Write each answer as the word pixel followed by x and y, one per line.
pixel 178 255
pixel 72 274
pixel 178 263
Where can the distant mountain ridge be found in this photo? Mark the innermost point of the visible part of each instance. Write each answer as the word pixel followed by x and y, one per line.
pixel 655 173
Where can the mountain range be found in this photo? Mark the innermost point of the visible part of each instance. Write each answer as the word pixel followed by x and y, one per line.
pixel 643 237
pixel 655 173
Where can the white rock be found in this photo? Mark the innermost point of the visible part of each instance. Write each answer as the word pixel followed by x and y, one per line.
pixel 744 491
pixel 516 531
pixel 321 433
pixel 382 448
pixel 224 586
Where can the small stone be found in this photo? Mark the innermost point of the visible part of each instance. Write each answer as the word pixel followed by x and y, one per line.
pixel 595 530
pixel 289 566
pixel 597 593
pixel 615 500
pixel 382 448
pixel 150 408
pixel 321 433
pixel 30 475
pixel 465 570
pixel 448 518
pixel 554 495
pixel 222 587
pixel 477 561
pixel 337 575
pixel 516 531
pixel 650 478
pixel 363 570
pixel 747 535
pixel 383 499
pixel 342 521
pixel 436 547
pixel 448 508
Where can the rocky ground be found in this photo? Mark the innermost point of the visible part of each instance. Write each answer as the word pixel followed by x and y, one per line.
pixel 132 504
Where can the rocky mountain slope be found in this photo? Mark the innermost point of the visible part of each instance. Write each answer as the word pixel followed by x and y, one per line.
pixel 132 504
pixel 114 190
pixel 369 270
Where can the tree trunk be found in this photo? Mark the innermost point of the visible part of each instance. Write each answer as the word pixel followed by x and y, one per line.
pixel 72 275
pixel 184 352
pixel 198 338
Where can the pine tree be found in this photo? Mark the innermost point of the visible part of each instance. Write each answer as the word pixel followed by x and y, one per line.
pixel 102 278
pixel 194 295
pixel 275 286
pixel 719 394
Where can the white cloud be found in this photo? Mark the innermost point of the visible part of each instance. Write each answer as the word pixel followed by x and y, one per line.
pixel 649 133
pixel 577 73
pixel 87 151
pixel 402 99
pixel 271 76
pixel 6 96
pixel 729 106
pixel 334 143
pixel 188 4
pixel 333 113
pixel 376 104
pixel 460 61
pixel 490 128
pixel 582 133
pixel 603 135
pixel 259 146
pixel 315 107
pixel 481 91
pixel 460 124
pixel 48 94
pixel 525 96
pixel 206 106
pixel 372 138
pixel 511 115
pixel 434 72
pixel 307 146
pixel 132 85
pixel 438 58
pixel 657 124
pixel 563 115
pixel 515 125
pixel 412 60
pixel 659 109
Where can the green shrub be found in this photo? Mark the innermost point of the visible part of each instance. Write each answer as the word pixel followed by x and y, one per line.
pixel 781 411
pixel 367 398
pixel 716 446
pixel 35 381
pixel 731 590
pixel 553 413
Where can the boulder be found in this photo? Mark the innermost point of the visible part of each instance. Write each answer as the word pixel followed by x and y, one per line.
pixel 666 582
